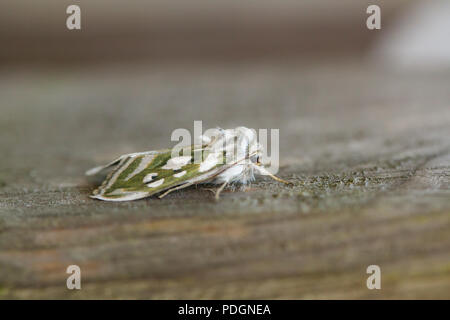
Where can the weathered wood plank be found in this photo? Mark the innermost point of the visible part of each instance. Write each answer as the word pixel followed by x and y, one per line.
pixel 368 152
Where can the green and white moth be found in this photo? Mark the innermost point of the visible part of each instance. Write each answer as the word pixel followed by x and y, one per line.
pixel 232 156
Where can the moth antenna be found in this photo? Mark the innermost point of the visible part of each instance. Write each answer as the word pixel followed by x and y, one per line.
pixel 265 172
pixel 280 180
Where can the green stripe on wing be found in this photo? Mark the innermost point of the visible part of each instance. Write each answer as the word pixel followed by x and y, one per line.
pixel 126 181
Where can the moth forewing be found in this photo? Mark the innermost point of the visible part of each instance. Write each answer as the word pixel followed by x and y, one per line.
pixel 97 170
pixel 145 174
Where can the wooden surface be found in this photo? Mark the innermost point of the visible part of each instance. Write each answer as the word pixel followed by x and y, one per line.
pixel 368 152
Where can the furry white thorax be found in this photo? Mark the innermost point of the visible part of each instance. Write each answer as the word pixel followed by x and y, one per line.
pixel 242 149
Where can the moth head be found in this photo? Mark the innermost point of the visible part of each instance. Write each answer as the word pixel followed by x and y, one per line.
pixel 247 141
pixel 240 142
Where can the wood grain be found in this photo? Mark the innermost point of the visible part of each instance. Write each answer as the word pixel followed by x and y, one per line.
pixel 368 152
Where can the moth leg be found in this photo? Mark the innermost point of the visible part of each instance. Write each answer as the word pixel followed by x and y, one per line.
pixel 210 189
pixel 217 196
pixel 176 188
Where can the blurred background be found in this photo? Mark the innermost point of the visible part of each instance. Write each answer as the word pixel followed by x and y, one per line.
pixel 364 119
pixel 137 31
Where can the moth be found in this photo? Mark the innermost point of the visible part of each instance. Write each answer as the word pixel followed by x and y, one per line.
pixel 232 156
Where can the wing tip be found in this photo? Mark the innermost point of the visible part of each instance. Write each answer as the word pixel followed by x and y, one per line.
pixel 94 171
pixel 125 197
